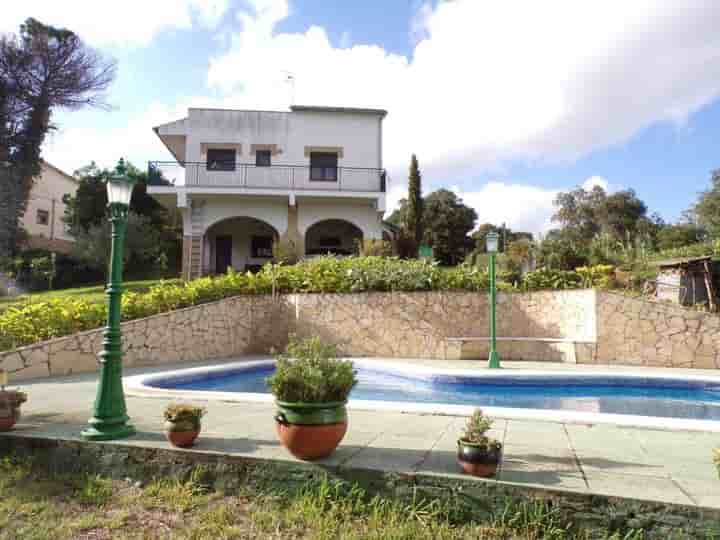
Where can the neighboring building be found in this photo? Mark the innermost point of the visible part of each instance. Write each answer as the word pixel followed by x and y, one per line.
pixel 43 218
pixel 310 178
pixel 688 282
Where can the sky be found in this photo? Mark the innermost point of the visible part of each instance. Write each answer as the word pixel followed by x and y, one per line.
pixel 504 102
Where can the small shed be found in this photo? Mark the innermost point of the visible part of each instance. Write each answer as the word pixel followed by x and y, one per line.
pixel 687 282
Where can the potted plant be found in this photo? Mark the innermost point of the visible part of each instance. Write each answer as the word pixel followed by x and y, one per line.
pixel 182 423
pixel 311 386
pixel 479 454
pixel 10 401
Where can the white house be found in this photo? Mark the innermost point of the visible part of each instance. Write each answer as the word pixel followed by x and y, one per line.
pixel 43 218
pixel 311 178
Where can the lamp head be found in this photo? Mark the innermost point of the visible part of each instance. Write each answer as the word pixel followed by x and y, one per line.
pixel 120 185
pixel 491 242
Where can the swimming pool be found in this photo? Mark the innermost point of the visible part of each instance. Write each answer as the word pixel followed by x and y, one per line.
pixel 581 396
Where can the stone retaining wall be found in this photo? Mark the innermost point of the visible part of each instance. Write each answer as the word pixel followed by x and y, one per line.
pixel 634 331
pixel 612 329
pixel 231 327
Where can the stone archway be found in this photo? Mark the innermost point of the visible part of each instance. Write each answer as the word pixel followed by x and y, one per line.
pixel 241 242
pixel 334 236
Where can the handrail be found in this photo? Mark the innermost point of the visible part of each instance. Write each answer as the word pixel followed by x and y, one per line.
pixel 282 176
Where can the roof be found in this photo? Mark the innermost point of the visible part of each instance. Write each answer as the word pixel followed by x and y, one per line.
pixel 687 261
pixel 59 171
pixel 352 110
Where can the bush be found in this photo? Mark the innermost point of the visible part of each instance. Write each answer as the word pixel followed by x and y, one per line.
pixel 476 431
pixel 310 372
pixel 44 320
pixel 182 412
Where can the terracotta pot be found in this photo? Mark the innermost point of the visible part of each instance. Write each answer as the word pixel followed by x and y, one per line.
pixel 8 421
pixel 310 442
pixel 311 430
pixel 181 434
pixel 478 460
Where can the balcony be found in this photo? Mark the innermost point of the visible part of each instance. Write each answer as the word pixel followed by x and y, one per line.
pixel 280 177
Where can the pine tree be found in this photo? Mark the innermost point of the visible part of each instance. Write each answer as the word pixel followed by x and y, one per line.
pixel 415 202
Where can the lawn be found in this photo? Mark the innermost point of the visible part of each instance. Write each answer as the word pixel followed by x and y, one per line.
pixel 38 505
pixel 93 293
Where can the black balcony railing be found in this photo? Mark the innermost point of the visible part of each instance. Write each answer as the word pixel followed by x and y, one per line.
pixel 281 177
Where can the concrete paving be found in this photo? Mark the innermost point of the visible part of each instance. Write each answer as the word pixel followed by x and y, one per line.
pixel 667 466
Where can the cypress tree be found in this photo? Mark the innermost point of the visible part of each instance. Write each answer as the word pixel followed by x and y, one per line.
pixel 415 202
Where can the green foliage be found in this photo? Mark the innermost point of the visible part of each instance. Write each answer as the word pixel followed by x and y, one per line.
pixel 285 252
pixel 446 223
pixel 601 276
pixel 414 216
pixel 549 278
pixel 25 324
pixel 183 412
pixel 309 372
pixel 375 247
pixel 678 236
pixel 707 209
pixel 700 249
pixel 476 430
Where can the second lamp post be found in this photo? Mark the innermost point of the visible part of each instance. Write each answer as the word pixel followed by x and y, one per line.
pixel 491 243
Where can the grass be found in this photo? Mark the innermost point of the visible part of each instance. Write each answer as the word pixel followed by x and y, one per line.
pixel 93 294
pixel 37 505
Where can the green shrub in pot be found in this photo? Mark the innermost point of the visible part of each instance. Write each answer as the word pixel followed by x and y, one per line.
pixel 183 423
pixel 311 387
pixel 478 454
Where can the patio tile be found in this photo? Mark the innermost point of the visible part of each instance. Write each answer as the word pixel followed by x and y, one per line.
pixel 637 487
pixel 540 434
pixel 705 492
pixel 544 478
pixel 531 458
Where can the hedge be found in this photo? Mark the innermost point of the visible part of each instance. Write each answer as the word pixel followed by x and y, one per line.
pixel 44 320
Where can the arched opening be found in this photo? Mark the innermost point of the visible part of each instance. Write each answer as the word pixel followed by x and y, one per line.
pixel 243 243
pixel 334 236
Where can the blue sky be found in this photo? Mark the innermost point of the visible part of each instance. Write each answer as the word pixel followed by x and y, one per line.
pixel 504 102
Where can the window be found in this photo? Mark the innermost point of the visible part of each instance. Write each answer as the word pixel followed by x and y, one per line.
pixel 261 247
pixel 262 158
pixel 220 159
pixel 323 167
pixel 43 217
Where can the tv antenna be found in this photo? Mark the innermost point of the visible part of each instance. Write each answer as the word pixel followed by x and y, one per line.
pixel 290 79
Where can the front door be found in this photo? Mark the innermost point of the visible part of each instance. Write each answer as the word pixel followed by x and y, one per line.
pixel 223 253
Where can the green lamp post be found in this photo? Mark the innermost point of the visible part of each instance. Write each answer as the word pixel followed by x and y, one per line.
pixel 110 419
pixel 491 244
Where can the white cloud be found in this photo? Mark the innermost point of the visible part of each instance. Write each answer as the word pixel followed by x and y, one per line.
pixel 493 81
pixel 593 181
pixel 125 22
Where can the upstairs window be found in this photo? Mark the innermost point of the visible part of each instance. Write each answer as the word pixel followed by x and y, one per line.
pixel 42 217
pixel 262 158
pixel 323 167
pixel 220 159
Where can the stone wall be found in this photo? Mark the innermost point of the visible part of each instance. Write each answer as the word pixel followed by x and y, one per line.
pixel 416 325
pixel 607 329
pixel 633 331
pixel 231 327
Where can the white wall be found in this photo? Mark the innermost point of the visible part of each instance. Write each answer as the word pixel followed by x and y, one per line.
pixel 272 210
pixel 47 194
pixel 357 134
pixel 359 212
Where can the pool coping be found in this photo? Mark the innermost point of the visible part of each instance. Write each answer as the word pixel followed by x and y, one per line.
pixel 138 385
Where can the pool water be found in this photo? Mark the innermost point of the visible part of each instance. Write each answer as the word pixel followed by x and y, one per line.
pixel 692 399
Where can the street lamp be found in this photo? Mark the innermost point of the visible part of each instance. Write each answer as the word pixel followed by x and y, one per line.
pixel 110 419
pixel 491 244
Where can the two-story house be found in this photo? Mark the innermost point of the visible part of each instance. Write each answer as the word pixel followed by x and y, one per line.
pixel 310 178
pixel 43 218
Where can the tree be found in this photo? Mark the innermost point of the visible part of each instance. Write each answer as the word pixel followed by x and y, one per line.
pixel 707 209
pixel 142 244
pixel 43 68
pixel 507 236
pixel 414 215
pixel 446 224
pixel 680 235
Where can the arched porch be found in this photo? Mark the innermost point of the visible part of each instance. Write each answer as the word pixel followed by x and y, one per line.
pixel 335 236
pixel 243 243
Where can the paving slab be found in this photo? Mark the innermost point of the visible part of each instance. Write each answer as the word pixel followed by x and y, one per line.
pixel 669 466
